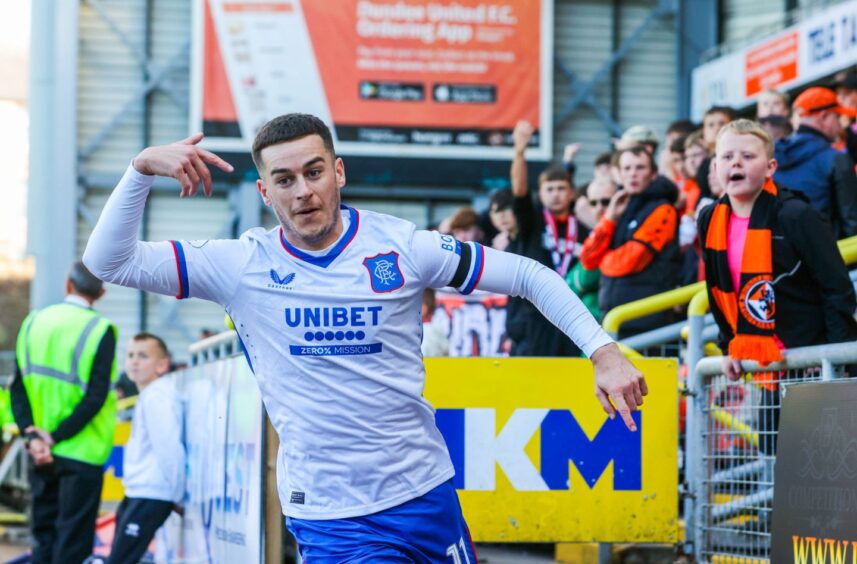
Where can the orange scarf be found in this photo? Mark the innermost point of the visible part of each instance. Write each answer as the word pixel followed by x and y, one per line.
pixel 749 310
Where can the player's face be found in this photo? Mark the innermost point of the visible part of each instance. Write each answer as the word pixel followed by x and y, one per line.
pixel 742 165
pixel 300 183
pixel 144 361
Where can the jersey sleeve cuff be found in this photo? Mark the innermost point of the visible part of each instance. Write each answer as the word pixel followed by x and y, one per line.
pixel 596 342
pixel 138 178
pixel 181 270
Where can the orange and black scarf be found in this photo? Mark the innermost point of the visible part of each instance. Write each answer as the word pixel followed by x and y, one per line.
pixel 749 310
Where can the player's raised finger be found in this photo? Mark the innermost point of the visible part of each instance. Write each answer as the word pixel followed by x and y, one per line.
pixel 203 173
pixel 605 403
pixel 624 411
pixel 192 140
pixel 213 159
pixel 193 176
pixel 184 181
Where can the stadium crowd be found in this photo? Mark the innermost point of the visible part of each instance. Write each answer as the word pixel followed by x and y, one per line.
pixel 631 230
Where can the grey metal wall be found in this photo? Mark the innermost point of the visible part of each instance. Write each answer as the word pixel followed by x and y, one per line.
pixel 639 90
pixel 744 20
pixel 133 92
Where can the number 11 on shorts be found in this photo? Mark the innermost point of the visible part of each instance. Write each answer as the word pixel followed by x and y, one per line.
pixel 452 551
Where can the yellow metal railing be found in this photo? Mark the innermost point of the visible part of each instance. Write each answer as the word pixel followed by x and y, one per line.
pixel 647 306
pixel 620 315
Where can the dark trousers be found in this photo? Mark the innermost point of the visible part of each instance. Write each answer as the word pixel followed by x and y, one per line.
pixel 137 520
pixel 65 497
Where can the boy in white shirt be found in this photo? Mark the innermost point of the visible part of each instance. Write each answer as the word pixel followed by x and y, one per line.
pixel 155 455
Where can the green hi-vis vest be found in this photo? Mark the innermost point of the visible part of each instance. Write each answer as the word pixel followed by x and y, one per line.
pixel 55 351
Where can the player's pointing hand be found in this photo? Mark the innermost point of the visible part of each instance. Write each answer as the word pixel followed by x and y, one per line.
pixel 184 161
pixel 618 385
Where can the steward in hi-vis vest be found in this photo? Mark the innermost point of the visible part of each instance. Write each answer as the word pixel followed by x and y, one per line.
pixel 65 407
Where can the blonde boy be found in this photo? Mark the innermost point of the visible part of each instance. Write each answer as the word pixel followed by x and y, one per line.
pixel 775 277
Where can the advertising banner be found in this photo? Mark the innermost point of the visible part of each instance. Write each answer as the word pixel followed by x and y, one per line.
pixel 427 78
pixel 816 47
pixel 815 477
pixel 224 440
pixel 537 459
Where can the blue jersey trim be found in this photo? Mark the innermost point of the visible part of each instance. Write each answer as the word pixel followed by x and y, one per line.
pixel 478 265
pixel 325 260
pixel 246 353
pixel 181 265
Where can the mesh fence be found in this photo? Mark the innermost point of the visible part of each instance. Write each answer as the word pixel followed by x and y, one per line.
pixel 739 443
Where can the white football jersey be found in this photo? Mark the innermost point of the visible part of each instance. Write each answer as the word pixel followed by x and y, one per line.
pixel 334 341
pixel 334 338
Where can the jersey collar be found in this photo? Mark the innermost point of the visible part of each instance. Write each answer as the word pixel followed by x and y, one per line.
pixel 327 258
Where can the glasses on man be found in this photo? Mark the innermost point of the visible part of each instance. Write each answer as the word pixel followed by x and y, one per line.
pixel 602 202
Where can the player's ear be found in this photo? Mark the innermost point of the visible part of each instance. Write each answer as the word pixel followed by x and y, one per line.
pixel 339 166
pixel 263 191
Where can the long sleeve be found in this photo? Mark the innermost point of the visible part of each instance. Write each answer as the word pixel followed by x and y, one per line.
pixel 443 261
pixel 209 269
pixel 113 252
pixel 20 402
pixel 522 277
pixel 96 391
pixel 845 195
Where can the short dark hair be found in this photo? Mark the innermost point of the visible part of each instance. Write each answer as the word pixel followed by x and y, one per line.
pixel 83 281
pixel 733 115
pixel 635 150
pixel 604 158
pixel 677 146
pixel 682 127
pixel 146 336
pixel 501 200
pixel 555 172
pixel 288 127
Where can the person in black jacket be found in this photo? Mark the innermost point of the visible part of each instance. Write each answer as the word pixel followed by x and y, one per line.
pixel 635 244
pixel 774 275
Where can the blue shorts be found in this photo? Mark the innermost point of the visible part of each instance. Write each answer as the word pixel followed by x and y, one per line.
pixel 427 529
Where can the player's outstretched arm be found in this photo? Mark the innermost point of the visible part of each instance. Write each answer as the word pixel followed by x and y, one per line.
pixel 113 252
pixel 619 386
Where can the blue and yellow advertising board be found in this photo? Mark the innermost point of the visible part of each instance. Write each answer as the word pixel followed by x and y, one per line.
pixel 537 459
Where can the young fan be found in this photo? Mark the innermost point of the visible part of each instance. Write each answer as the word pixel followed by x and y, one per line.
pixel 775 277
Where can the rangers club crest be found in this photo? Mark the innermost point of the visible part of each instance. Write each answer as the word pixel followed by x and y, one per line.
pixel 758 303
pixel 384 272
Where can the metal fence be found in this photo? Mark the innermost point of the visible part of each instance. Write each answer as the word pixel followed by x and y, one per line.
pixel 731 448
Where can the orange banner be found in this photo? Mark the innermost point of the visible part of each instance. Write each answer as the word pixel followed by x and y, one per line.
pixel 771 63
pixel 432 73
